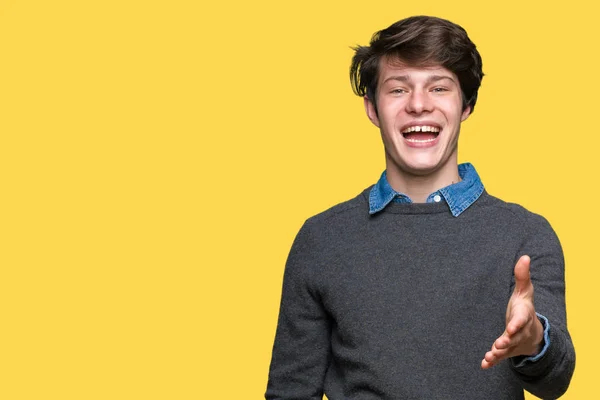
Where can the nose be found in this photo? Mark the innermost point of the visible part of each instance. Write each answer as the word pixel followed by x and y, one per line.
pixel 419 102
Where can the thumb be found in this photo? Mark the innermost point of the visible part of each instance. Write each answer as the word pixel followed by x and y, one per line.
pixel 522 275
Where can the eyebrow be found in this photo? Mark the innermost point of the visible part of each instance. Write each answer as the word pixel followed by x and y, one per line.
pixel 406 78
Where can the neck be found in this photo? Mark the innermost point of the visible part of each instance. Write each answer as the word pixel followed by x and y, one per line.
pixel 419 186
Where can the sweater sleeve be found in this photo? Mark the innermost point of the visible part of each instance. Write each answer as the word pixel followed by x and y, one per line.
pixel 301 350
pixel 549 376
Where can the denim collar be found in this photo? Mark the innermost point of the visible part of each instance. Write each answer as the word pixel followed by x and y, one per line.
pixel 459 196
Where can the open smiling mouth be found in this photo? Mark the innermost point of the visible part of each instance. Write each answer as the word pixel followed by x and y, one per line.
pixel 421 134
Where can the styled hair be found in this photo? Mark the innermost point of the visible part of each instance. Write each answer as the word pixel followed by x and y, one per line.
pixel 419 41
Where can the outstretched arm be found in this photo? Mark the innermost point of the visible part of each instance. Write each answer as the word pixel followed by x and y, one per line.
pixel 524 334
pixel 541 355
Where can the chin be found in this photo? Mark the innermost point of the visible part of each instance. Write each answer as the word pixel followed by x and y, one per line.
pixel 422 167
pixel 421 171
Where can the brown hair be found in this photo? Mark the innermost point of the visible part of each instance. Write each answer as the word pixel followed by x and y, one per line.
pixel 419 41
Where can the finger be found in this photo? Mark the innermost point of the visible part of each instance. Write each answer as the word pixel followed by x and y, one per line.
pixel 517 322
pixel 490 356
pixel 509 342
pixel 522 275
pixel 495 356
pixel 486 365
pixel 502 342
pixel 507 346
pixel 488 360
pixel 500 354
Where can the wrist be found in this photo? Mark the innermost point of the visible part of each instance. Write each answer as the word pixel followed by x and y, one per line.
pixel 538 343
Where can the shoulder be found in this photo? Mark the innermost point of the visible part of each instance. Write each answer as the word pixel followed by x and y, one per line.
pixel 327 228
pixel 339 218
pixel 522 220
pixel 345 211
pixel 531 232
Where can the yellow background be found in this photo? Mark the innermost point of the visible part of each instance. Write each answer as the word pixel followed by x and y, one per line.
pixel 158 157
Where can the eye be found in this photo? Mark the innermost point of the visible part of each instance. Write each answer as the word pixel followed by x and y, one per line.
pixel 397 91
pixel 439 89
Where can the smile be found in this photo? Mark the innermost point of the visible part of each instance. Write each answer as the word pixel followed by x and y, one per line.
pixel 425 135
pixel 421 128
pixel 420 140
pixel 421 134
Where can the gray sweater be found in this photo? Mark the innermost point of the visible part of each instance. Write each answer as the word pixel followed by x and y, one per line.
pixel 405 303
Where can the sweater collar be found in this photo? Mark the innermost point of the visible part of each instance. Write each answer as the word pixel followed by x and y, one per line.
pixel 459 196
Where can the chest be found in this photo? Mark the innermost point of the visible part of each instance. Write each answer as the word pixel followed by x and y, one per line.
pixel 419 276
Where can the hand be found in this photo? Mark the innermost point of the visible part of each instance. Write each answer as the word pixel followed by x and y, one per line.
pixel 524 332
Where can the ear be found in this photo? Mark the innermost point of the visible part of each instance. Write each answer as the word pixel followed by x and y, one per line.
pixel 465 114
pixel 371 112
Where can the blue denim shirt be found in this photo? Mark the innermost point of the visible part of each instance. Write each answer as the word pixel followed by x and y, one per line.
pixel 459 196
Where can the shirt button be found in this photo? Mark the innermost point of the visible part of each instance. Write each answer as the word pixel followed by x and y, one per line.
pixel 437 198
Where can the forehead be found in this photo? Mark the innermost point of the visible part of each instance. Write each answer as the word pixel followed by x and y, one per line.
pixel 395 68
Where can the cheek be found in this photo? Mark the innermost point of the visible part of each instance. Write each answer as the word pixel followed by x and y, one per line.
pixel 389 114
pixel 452 114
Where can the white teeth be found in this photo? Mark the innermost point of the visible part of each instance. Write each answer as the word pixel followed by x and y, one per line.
pixel 424 128
pixel 420 141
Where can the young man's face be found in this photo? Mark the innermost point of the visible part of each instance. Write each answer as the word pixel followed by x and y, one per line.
pixel 419 115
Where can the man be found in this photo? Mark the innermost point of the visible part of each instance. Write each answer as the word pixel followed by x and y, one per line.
pixel 422 286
